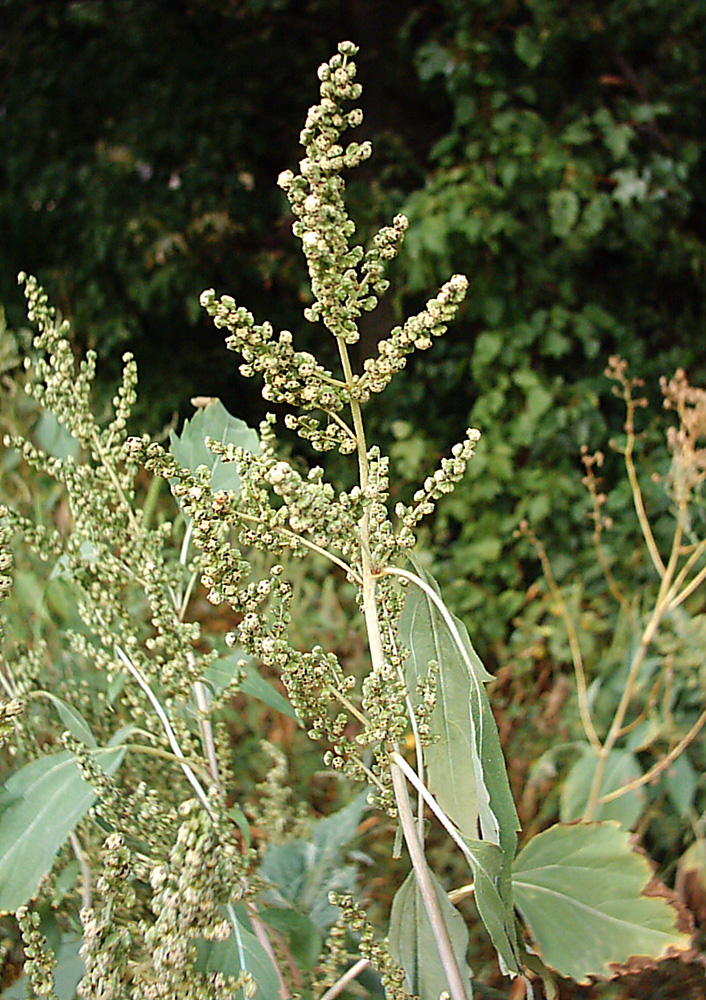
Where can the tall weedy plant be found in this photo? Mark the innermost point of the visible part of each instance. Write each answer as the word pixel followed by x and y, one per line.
pixel 173 903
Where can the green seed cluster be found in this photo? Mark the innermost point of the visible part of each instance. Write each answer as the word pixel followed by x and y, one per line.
pixel 108 936
pixel 417 332
pixel 40 960
pixel 444 480
pixel 204 871
pixel 354 920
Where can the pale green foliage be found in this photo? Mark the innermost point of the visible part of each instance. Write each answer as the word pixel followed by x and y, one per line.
pixel 180 907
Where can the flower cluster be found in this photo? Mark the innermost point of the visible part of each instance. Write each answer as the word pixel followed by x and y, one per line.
pixel 354 920
pixel 107 939
pixel 686 442
pixel 444 480
pixel 417 332
pixel 40 960
pixel 204 872
pixel 345 280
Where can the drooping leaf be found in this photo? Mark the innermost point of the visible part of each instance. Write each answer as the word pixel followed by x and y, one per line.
pixel 221 672
pixel 302 872
pixel 413 945
pixel 39 807
pixel 213 421
pixel 465 769
pixel 496 912
pixel 72 719
pixel 451 774
pixel 621 767
pixel 581 890
pixel 241 952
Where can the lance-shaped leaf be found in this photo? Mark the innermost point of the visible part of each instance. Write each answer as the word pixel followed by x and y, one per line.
pixel 451 760
pixel 413 945
pixel 39 807
pixel 222 671
pixel 241 952
pixel 465 766
pixel 213 421
pixel 581 889
pixel 494 907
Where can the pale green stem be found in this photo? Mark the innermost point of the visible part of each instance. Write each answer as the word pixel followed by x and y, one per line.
pixel 309 545
pixel 347 977
pixel 660 766
pixel 377 654
pixel 85 869
pixel 427 890
pixel 115 481
pixel 167 726
pixel 662 604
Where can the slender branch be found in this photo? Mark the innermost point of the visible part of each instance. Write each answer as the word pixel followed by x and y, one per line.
pixel 636 490
pixel 167 726
pixel 85 869
pixel 347 977
pixel 309 545
pixel 574 644
pixel 660 766
pixel 427 890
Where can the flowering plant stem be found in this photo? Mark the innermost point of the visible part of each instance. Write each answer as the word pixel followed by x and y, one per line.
pixel 372 623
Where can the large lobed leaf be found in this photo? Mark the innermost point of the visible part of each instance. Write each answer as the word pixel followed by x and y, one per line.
pixel 581 890
pixel 213 421
pixel 413 945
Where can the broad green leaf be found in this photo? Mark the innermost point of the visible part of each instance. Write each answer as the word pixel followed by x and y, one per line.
pixel 302 872
pixel 221 672
pixel 450 762
pixel 621 767
pixel 54 439
pixel 304 939
pixel 213 421
pixel 241 952
pixel 580 889
pixel 465 768
pixel 39 807
pixel 564 209
pixel 67 974
pixel 73 720
pixel 413 945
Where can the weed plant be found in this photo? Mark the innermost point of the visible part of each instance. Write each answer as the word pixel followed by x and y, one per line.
pixel 122 839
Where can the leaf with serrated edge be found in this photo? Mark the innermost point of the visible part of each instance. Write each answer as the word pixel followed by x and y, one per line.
pixel 413 945
pixel 39 807
pixel 213 421
pixel 580 889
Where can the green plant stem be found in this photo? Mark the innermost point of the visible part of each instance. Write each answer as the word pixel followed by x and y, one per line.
pixel 347 977
pixel 162 715
pixel 85 869
pixel 427 890
pixel 377 654
pixel 662 604
pixel 661 765
pixel 574 644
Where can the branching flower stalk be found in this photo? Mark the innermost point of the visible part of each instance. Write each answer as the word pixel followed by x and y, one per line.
pixel 679 575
